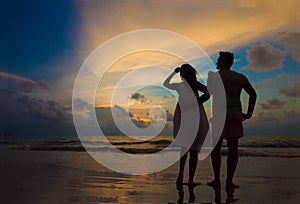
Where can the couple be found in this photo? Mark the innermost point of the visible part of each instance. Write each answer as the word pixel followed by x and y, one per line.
pixel 233 83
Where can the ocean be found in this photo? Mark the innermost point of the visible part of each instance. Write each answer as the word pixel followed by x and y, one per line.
pixel 251 146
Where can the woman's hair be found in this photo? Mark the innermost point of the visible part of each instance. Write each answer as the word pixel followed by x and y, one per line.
pixel 189 74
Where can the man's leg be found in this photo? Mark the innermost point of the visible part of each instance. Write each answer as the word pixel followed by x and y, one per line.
pixel 181 166
pixel 232 159
pixel 216 163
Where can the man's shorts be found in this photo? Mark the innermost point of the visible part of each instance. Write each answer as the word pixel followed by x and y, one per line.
pixel 233 126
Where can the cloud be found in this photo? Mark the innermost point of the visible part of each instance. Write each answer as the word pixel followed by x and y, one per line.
pixel 22 114
pixel 292 90
pixel 13 90
pixel 292 42
pixel 21 84
pixel 157 115
pixel 291 115
pixel 44 84
pixel 249 3
pixel 265 84
pixel 268 123
pixel 26 115
pixel 273 103
pixel 264 57
pixel 139 97
pixel 131 72
pixel 107 122
pixel 265 117
pixel 242 21
pixel 169 96
pixel 82 108
pixel 46 109
pixel 288 85
pixel 120 111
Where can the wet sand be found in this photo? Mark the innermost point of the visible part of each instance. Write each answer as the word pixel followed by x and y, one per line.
pixel 74 177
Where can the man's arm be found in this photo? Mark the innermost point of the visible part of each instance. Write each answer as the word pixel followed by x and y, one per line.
pixel 252 100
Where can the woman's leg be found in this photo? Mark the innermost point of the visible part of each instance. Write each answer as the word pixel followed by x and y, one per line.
pixel 183 158
pixel 193 165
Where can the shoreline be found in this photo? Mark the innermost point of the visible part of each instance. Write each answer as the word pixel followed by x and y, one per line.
pixel 74 177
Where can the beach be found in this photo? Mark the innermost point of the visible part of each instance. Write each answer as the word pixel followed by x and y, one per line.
pixel 74 177
pixel 101 98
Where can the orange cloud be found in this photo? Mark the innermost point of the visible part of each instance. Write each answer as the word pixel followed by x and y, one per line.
pixel 212 24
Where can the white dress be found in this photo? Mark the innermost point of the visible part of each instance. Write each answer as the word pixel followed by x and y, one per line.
pixel 185 94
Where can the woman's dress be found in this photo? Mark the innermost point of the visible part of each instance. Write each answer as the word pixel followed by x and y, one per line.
pixel 203 122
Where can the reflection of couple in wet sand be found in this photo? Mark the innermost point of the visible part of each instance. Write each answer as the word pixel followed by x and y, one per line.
pixel 233 83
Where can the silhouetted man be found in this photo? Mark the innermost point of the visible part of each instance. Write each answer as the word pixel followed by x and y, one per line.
pixel 233 83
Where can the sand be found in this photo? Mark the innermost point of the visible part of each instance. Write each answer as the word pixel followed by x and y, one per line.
pixel 74 177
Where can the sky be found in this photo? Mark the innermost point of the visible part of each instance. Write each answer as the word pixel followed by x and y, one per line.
pixel 45 43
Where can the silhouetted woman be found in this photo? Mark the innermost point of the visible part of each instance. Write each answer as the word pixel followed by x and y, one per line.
pixel 188 75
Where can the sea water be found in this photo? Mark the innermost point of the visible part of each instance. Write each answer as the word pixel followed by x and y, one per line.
pixel 260 145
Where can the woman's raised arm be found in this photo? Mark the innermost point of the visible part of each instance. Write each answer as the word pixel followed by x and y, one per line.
pixel 168 79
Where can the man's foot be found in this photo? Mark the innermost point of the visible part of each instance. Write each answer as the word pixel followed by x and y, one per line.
pixel 214 184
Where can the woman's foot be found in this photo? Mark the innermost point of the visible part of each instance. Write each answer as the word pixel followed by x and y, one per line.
pixel 193 184
pixel 230 187
pixel 217 195
pixel 214 184
pixel 232 200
